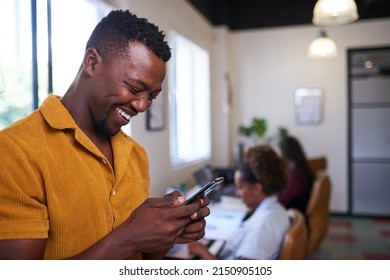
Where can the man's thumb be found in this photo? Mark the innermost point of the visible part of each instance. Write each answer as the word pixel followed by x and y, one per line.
pixel 172 199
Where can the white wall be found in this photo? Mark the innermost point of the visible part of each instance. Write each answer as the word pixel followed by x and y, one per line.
pixel 265 67
pixel 269 64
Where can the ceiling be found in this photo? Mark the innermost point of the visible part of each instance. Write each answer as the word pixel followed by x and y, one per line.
pixel 247 14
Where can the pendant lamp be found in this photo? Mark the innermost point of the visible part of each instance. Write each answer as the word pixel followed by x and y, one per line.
pixel 322 47
pixel 334 12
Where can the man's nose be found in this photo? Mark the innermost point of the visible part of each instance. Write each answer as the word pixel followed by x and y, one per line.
pixel 141 104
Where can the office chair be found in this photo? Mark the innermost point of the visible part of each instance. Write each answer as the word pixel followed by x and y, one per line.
pixel 318 164
pixel 295 240
pixel 317 211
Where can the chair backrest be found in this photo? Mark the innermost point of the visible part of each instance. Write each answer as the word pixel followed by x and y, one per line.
pixel 295 240
pixel 317 211
pixel 318 163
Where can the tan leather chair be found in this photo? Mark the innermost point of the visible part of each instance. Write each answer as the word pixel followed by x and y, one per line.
pixel 318 163
pixel 317 212
pixel 295 240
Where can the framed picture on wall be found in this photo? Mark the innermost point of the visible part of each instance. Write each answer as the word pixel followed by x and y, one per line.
pixel 155 119
pixel 309 106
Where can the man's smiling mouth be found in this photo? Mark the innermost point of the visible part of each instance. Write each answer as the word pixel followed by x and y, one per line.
pixel 123 114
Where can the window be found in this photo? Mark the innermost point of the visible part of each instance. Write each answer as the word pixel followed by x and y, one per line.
pixel 15 60
pixel 41 39
pixel 189 94
pixel 68 45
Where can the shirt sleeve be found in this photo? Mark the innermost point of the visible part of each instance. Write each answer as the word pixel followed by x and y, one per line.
pixel 23 213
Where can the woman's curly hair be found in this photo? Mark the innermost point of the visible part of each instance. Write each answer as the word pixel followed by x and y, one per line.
pixel 262 164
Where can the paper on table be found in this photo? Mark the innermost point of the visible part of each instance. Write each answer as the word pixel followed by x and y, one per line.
pixel 222 221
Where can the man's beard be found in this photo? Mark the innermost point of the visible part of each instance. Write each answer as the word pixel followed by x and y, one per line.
pixel 103 127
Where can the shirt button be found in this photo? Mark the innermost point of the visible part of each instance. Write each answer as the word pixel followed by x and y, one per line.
pixel 104 161
pixel 113 192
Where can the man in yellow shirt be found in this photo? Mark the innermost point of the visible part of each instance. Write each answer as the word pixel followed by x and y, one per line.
pixel 72 184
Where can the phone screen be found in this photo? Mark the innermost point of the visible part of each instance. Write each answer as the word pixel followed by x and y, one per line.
pixel 206 189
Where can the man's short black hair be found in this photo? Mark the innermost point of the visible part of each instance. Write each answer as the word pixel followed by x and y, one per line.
pixel 113 33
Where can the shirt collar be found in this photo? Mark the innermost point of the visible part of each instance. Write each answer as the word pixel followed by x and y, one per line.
pixel 267 202
pixel 58 117
pixel 56 114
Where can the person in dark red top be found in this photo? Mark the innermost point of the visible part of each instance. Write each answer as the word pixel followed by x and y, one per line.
pixel 300 177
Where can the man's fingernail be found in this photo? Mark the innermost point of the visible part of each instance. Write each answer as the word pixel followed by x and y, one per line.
pixel 181 199
pixel 193 216
pixel 201 202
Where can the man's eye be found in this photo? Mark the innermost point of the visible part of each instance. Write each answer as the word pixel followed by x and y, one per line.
pixel 152 97
pixel 134 89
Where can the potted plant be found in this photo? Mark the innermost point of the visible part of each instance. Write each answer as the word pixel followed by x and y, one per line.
pixel 255 130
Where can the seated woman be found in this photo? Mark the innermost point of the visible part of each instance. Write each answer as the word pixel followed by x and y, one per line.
pixel 300 176
pixel 258 180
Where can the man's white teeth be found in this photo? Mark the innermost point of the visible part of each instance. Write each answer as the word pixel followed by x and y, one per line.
pixel 123 114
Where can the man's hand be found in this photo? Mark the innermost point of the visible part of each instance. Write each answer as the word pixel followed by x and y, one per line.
pixel 159 223
pixel 196 229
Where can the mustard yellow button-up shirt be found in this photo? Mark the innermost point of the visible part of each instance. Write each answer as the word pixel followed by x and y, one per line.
pixel 55 184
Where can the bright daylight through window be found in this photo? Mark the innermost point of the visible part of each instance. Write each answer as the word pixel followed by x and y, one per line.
pixel 27 62
pixel 189 101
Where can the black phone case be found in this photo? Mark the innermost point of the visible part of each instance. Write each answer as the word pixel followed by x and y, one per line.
pixel 206 189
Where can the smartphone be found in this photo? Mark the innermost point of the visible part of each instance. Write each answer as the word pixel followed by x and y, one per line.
pixel 206 189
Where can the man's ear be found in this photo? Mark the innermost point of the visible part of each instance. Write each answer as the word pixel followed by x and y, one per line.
pixel 91 59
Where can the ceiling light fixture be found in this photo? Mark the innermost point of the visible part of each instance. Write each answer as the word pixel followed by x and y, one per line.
pixel 322 47
pixel 334 12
